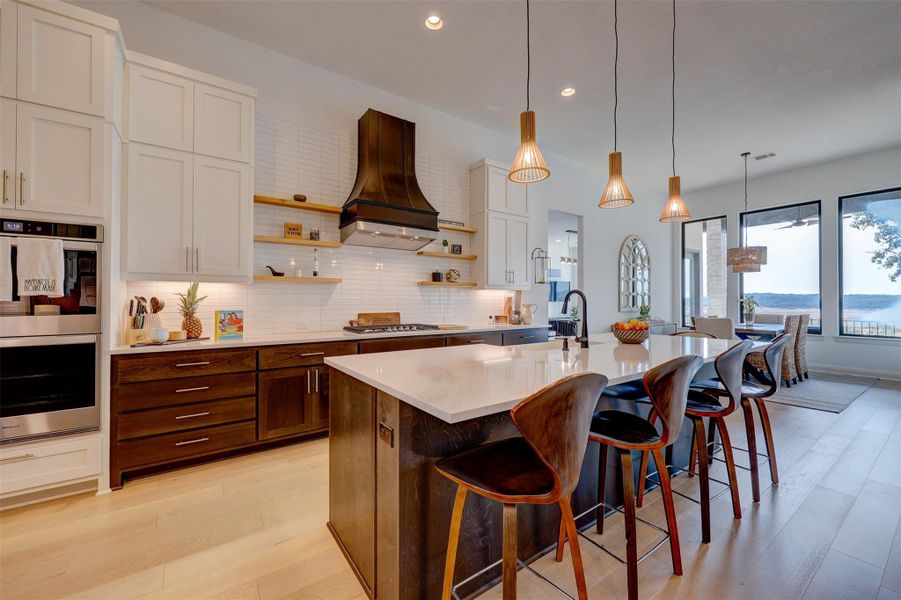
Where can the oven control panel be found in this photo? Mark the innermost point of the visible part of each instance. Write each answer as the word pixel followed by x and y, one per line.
pixel 73 231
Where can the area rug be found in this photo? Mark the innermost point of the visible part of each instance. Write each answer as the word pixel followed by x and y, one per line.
pixel 831 393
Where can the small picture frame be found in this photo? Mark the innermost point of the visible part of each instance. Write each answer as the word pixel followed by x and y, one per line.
pixel 456 248
pixel 314 235
pixel 294 230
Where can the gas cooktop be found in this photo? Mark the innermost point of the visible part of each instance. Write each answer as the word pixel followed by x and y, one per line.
pixel 399 327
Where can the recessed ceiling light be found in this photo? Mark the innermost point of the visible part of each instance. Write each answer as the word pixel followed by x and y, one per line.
pixel 567 92
pixel 434 22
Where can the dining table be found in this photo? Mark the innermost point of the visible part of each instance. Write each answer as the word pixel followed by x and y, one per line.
pixel 758 331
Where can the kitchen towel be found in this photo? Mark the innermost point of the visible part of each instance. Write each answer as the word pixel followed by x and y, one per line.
pixel 40 267
pixel 6 270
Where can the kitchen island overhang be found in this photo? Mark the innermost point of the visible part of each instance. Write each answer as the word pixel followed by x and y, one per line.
pixel 395 414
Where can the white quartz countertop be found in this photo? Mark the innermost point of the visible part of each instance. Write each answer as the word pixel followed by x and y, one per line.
pixel 302 337
pixel 465 382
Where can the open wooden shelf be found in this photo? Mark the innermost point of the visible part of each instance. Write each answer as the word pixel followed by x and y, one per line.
pixel 463 228
pixel 463 284
pixel 323 208
pixel 272 239
pixel 447 255
pixel 286 279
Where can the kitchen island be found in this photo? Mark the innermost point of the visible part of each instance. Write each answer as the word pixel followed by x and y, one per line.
pixel 394 414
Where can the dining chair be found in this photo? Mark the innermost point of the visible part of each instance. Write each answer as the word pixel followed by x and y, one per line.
pixel 801 348
pixel 722 328
pixel 769 318
pixel 788 372
pixel 666 386
pixel 541 466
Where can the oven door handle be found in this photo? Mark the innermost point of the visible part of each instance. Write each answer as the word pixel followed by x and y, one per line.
pixel 49 340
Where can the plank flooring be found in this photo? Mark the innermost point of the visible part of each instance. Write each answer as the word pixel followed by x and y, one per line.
pixel 254 528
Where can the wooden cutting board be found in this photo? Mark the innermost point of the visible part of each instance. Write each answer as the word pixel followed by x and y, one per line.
pixel 378 318
pixel 447 327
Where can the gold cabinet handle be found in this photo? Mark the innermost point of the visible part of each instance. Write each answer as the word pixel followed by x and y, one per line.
pixel 17 458
pixel 5 181
pixel 22 188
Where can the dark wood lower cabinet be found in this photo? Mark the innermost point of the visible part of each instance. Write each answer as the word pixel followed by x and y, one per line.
pixel 323 377
pixel 286 398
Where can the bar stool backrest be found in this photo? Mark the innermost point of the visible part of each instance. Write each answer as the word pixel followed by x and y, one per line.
pixel 772 356
pixel 730 369
pixel 556 421
pixel 667 387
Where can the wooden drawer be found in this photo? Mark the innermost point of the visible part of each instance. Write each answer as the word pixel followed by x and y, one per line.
pixel 525 336
pixel 494 339
pixel 394 344
pixel 300 355
pixel 168 365
pixel 48 462
pixel 175 446
pixel 188 416
pixel 184 390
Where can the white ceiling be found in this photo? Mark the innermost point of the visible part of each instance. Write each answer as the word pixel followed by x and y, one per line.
pixel 810 81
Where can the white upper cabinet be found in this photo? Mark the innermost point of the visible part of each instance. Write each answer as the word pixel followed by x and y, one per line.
pixel 8 50
pixel 517 198
pixel 222 218
pixel 495 255
pixel 518 251
pixel 8 173
pixel 160 108
pixel 493 191
pixel 60 62
pixel 222 123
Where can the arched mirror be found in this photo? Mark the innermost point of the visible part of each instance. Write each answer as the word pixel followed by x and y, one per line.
pixel 634 274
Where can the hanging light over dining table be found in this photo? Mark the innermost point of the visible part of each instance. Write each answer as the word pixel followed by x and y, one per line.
pixel 745 258
pixel 529 165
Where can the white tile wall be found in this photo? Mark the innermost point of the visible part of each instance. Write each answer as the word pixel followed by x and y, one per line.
pixel 292 157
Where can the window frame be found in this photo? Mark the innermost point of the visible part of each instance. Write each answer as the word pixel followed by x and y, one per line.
pixel 841 264
pixel 725 219
pixel 741 238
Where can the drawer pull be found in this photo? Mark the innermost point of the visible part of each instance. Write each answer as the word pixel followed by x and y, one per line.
pixel 25 456
pixel 197 441
pixel 193 389
pixel 526 337
pixel 305 354
pixel 476 341
pixel 195 364
pixel 192 416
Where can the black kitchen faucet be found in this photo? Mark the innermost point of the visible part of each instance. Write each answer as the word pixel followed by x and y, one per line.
pixel 582 339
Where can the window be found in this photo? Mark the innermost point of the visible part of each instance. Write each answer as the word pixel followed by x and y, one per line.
pixel 790 281
pixel 870 268
pixel 703 269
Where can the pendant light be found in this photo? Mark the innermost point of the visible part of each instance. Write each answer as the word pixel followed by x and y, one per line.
pixel 529 165
pixel 617 193
pixel 569 259
pixel 675 210
pixel 744 258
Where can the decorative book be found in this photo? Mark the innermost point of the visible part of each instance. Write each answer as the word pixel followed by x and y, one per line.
pixel 229 324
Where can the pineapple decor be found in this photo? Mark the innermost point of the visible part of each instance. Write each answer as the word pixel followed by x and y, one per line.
pixel 188 304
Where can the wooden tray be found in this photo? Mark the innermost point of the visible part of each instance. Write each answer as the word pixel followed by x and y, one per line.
pixel 168 342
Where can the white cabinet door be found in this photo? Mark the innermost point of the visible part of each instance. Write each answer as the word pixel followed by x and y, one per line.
pixel 9 175
pixel 60 62
pixel 157 212
pixel 497 189
pixel 518 252
pixel 8 50
pixel 496 251
pixel 517 199
pixel 160 108
pixel 60 155
pixel 222 123
pixel 222 218
pixel 48 462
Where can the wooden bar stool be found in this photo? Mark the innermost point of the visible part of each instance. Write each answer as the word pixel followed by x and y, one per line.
pixel 704 402
pixel 667 387
pixel 541 467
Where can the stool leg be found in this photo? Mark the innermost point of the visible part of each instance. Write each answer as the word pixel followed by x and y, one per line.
pixel 602 485
pixel 628 476
pixel 730 466
pixel 561 537
pixel 704 478
pixel 578 568
pixel 666 491
pixel 643 470
pixel 768 436
pixel 452 539
pixel 752 448
pixel 510 552
pixel 711 440
pixel 693 457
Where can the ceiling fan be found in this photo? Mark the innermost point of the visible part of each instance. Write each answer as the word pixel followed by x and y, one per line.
pixel 799 222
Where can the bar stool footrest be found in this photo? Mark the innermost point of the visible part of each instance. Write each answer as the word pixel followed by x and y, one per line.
pixel 666 535
pixel 522 564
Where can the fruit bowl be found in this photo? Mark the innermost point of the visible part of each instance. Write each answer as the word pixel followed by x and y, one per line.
pixel 631 336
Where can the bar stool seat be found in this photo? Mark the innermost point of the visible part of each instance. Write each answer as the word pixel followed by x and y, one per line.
pixel 715 386
pixel 509 470
pixel 631 390
pixel 704 405
pixel 620 426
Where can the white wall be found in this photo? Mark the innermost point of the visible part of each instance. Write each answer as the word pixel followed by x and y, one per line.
pixel 330 102
pixel 824 182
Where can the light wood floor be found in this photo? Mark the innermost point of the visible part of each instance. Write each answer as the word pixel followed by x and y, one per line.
pixel 254 527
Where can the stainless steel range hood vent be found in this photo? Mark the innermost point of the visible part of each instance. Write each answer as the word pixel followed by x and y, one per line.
pixel 386 208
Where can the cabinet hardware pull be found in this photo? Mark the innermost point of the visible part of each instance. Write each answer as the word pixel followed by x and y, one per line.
pixel 526 337
pixel 193 389
pixel 308 382
pixel 197 259
pixel 22 188
pixel 19 457
pixel 311 354
pixel 195 364
pixel 317 380
pixel 5 181
pixel 187 254
pixel 192 416
pixel 197 441
pixel 476 341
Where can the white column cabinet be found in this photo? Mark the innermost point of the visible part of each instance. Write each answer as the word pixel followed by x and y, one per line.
pixel 8 51
pixel 160 108
pixel 8 173
pixel 518 252
pixel 222 123
pixel 496 248
pixel 222 217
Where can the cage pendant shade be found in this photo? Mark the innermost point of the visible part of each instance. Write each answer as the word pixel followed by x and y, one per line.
pixel 675 210
pixel 529 165
pixel 617 193
pixel 746 255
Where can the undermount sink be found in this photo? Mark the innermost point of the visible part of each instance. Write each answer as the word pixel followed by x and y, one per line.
pixel 556 345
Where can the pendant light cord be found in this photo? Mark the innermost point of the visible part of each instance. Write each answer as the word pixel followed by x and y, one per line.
pixel 528 53
pixel 615 67
pixel 673 140
pixel 745 236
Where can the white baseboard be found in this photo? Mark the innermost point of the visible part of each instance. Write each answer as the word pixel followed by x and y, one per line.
pixel 852 372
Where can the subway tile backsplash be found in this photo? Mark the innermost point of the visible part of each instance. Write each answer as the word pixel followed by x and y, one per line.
pixel 295 158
